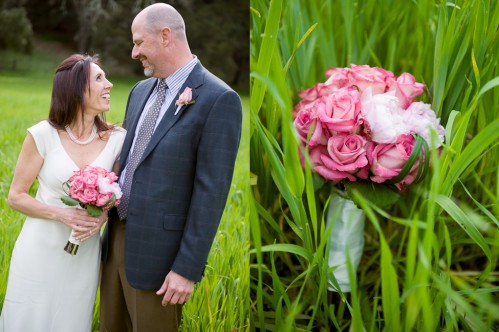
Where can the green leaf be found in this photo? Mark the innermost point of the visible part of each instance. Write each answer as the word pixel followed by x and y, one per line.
pixel 69 201
pixel 381 195
pixel 269 43
pixel 488 86
pixel 289 248
pixel 94 211
pixel 463 220
pixel 487 136
pixel 389 289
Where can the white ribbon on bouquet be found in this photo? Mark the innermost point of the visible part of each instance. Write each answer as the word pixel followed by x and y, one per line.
pixel 347 237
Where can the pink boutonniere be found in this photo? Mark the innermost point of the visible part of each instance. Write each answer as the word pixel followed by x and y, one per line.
pixel 185 98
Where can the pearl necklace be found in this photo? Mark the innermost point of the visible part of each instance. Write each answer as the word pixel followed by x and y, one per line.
pixel 85 142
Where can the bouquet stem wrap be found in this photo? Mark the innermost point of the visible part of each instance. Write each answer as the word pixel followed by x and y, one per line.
pixel 346 239
pixel 72 246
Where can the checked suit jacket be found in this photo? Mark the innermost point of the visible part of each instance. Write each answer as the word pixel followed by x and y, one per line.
pixel 180 187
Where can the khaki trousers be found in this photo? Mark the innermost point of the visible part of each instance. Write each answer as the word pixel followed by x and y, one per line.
pixel 124 308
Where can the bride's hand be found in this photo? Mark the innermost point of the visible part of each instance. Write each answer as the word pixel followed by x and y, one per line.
pixel 79 220
pixel 92 230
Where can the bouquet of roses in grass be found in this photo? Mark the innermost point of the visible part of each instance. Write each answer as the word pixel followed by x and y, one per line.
pixel 362 128
pixel 94 189
pixel 364 124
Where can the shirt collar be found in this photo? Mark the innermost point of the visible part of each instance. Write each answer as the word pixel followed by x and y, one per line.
pixel 177 79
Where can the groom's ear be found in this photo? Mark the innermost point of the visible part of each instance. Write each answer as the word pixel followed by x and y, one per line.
pixel 166 36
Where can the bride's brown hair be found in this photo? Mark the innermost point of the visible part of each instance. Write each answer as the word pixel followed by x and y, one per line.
pixel 71 80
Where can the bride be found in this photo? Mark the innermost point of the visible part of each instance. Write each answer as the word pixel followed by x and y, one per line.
pixel 48 289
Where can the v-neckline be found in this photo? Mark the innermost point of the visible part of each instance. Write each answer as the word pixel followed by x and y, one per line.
pixel 71 159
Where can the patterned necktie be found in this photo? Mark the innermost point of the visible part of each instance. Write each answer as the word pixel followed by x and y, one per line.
pixel 143 137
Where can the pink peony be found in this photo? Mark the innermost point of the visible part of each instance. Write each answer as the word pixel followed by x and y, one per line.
pixel 382 116
pixel 108 187
pixel 419 118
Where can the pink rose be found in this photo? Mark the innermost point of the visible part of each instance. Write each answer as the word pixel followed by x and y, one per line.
pixel 87 196
pixel 311 96
pixel 405 87
pixel 387 160
pixel 185 97
pixel 316 91
pixel 77 183
pixel 89 177
pixel 346 152
pixel 344 155
pixel 340 111
pixel 103 199
pixel 338 77
pixel 305 121
pixel 316 155
pixel 365 76
pixel 96 170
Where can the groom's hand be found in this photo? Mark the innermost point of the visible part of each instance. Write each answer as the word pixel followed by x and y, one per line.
pixel 176 288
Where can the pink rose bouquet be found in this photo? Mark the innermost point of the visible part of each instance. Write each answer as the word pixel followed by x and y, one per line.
pixel 364 124
pixel 94 189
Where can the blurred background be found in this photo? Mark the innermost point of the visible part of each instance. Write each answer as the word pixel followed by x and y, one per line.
pixel 218 33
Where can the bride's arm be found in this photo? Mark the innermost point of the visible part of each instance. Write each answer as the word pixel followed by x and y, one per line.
pixel 27 168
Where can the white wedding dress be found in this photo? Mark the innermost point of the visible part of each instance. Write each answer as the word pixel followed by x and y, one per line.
pixel 49 290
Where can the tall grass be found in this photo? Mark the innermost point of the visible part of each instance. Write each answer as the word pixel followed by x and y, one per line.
pixel 220 302
pixel 429 262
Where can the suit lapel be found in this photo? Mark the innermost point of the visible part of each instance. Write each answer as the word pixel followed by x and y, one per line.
pixel 194 81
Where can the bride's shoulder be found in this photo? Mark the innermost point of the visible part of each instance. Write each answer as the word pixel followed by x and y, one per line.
pixel 113 131
pixel 114 128
pixel 118 131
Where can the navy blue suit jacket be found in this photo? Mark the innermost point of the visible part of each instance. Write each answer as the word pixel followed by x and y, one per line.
pixel 180 186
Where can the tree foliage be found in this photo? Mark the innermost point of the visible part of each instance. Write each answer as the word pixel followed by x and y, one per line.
pixel 218 31
pixel 15 30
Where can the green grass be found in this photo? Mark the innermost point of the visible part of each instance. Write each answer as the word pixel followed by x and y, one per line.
pixel 429 261
pixel 221 300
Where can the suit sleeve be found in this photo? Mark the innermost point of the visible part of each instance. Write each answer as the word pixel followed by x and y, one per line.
pixel 216 156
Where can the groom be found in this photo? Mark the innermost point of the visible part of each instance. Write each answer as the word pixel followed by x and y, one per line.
pixel 183 130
